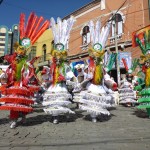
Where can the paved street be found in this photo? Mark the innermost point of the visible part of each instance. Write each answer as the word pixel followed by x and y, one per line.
pixel 127 129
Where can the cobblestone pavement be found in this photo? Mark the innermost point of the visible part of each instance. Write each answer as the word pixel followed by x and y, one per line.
pixel 126 129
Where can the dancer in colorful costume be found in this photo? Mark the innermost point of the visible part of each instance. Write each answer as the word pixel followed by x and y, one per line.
pixel 20 86
pixel 127 96
pixel 96 99
pixel 56 98
pixel 144 100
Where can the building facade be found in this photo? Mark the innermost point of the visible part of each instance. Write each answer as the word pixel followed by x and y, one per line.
pixel 4 38
pixel 128 16
pixel 7 39
pixel 14 37
pixel 43 47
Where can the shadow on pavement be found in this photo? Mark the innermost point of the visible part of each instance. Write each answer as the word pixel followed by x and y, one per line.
pixel 140 113
pixel 4 121
pixel 39 119
pixel 100 118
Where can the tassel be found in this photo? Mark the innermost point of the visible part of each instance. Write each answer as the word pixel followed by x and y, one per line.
pixel 98 75
pixel 52 68
pixel 91 64
pixel 56 75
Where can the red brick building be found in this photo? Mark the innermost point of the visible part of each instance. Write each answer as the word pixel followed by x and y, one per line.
pixel 132 15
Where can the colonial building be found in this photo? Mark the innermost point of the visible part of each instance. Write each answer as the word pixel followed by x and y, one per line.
pixel 43 47
pixel 128 16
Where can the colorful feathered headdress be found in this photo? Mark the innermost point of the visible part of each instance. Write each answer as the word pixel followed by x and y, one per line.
pixel 61 30
pixel 32 30
pixel 96 52
pixel 98 38
pixel 145 43
pixel 135 63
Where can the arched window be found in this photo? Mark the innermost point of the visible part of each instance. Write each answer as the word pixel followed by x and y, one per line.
pixel 52 44
pixel 118 19
pixel 44 52
pixel 85 35
pixel 32 53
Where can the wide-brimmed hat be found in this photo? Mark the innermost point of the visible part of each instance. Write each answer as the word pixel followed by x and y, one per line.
pixel 85 67
pixel 79 66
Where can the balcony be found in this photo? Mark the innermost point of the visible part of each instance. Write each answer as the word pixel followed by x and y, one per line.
pixel 84 47
pixel 112 39
pixel 44 60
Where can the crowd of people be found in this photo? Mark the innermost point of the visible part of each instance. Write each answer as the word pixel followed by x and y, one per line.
pixel 61 84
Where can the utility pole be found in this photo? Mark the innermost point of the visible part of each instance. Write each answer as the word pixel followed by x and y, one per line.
pixel 116 47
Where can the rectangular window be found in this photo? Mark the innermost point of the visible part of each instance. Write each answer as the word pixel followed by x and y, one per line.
pixel 2 39
pixel 1 49
pixel 32 53
pixel 44 55
pixel 2 44
pixel 2 34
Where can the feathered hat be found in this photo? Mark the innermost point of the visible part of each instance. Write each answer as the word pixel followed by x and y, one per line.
pixel 61 30
pixel 145 43
pixel 135 63
pixel 142 39
pixel 99 38
pixel 31 31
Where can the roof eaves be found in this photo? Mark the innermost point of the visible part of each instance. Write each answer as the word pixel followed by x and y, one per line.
pixel 87 6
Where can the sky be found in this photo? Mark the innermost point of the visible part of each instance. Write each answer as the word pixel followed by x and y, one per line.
pixel 10 9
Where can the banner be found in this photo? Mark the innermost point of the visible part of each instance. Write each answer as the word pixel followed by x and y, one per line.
pixel 125 56
pixel 140 34
pixel 111 61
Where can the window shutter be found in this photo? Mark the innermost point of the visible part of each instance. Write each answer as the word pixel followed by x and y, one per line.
pixel 103 6
pixel 88 38
pixel 120 27
pixel 112 30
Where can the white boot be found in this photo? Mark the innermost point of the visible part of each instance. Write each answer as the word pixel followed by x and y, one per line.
pixel 94 120
pixel 55 120
pixel 13 124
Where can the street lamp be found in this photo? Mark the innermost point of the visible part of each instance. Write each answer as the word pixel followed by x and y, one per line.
pixel 117 18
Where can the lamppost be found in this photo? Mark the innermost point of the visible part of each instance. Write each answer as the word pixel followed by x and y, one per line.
pixel 117 18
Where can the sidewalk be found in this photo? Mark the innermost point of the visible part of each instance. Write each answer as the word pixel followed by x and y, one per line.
pixel 123 131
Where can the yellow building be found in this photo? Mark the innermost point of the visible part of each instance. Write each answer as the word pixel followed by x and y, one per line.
pixel 43 47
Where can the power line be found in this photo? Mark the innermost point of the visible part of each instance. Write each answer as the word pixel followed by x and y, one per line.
pixel 22 8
